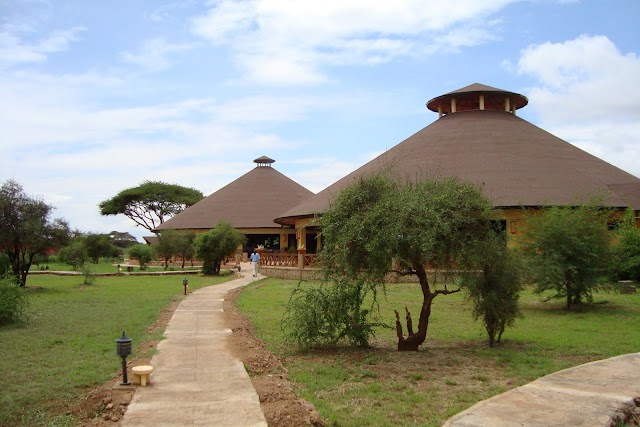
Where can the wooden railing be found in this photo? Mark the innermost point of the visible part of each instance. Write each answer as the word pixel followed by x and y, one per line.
pixel 289 260
pixel 279 260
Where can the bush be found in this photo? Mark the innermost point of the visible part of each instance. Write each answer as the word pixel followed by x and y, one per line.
pixel 143 253
pixel 626 253
pixel 89 277
pixel 5 265
pixel 327 315
pixel 74 254
pixel 13 301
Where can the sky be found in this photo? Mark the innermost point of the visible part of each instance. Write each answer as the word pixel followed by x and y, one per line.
pixel 100 96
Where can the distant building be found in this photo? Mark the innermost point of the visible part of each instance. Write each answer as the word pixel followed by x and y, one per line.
pixel 250 203
pixel 479 139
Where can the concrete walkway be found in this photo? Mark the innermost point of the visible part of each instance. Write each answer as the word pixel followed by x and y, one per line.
pixel 196 380
pixel 585 395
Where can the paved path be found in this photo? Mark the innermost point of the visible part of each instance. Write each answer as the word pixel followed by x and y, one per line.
pixel 196 381
pixel 585 395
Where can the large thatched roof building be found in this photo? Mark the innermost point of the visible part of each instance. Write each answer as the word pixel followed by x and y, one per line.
pixel 479 138
pixel 250 203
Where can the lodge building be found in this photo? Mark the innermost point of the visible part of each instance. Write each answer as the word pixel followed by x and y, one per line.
pixel 478 137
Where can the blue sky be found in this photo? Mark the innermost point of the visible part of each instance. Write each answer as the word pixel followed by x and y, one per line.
pixel 96 97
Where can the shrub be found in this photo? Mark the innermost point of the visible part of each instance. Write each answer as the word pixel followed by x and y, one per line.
pixel 626 252
pixel 496 290
pixel 89 277
pixel 143 253
pixel 75 254
pixel 5 264
pixel 327 315
pixel 13 301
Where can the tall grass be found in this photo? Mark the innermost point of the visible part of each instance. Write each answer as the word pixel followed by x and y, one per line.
pixel 68 345
pixel 455 368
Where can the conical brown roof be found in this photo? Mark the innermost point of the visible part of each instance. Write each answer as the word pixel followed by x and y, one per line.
pixel 251 201
pixel 515 163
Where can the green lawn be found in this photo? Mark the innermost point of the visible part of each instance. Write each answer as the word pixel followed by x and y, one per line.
pixel 107 266
pixel 68 345
pixel 455 368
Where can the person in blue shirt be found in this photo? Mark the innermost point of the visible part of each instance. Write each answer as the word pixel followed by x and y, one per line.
pixel 255 259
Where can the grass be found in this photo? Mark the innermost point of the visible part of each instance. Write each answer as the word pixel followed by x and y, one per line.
pixel 455 368
pixel 68 345
pixel 106 266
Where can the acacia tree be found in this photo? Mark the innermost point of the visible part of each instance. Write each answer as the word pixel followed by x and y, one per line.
pixel 122 239
pixel 99 245
pixel 214 245
pixel 568 250
pixel 151 203
pixel 378 226
pixel 26 230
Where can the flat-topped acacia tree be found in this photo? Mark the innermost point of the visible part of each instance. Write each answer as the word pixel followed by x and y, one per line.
pixel 151 203
pixel 379 225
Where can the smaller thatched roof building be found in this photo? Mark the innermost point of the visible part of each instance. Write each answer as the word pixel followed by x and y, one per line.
pixel 250 203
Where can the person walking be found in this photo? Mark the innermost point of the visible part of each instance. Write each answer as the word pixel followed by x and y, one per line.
pixel 255 259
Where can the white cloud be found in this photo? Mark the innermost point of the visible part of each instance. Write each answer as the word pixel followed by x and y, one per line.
pixel 283 42
pixel 588 93
pixel 14 51
pixel 154 54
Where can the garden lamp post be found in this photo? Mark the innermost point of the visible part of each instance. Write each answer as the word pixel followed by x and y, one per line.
pixel 185 283
pixel 123 349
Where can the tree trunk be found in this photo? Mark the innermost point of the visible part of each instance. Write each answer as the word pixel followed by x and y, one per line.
pixel 414 340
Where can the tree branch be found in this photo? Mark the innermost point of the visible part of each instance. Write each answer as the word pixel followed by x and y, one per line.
pixel 445 291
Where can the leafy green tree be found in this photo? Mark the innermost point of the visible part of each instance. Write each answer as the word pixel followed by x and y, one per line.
pixel 626 251
pixel 167 246
pixel 151 203
pixel 75 254
pixel 568 250
pixel 143 253
pixel 99 245
pixel 216 244
pixel 495 289
pixel 122 239
pixel 185 245
pixel 26 228
pixel 377 226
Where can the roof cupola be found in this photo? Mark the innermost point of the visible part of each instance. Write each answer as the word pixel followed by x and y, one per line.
pixel 477 97
pixel 264 161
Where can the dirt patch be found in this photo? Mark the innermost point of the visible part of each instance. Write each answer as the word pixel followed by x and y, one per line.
pixel 105 405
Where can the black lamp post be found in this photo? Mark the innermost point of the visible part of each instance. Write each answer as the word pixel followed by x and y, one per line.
pixel 123 349
pixel 185 283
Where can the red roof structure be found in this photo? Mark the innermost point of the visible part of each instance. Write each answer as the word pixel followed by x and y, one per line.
pixel 479 139
pixel 251 201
